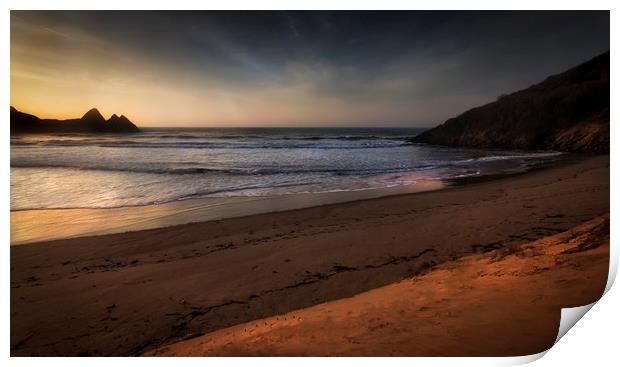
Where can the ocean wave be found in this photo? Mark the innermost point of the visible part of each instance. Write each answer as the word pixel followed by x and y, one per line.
pixel 196 168
pixel 226 171
pixel 210 145
pixel 201 141
pixel 247 145
pixel 352 137
pixel 494 158
pixel 181 196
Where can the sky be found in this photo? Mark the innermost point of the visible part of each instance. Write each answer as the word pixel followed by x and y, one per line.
pixel 278 68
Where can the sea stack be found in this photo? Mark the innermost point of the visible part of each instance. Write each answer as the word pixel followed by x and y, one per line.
pixel 91 122
pixel 121 124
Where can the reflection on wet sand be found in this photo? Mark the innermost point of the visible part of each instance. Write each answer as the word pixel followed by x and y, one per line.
pixel 44 225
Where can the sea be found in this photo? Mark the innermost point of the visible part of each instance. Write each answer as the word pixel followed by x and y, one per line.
pixel 166 165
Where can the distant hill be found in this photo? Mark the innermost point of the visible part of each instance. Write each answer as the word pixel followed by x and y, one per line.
pixel 91 122
pixel 566 112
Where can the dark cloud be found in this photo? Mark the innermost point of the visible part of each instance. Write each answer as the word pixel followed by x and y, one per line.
pixel 399 58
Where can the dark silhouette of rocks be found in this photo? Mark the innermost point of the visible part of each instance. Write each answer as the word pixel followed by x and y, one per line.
pixel 120 123
pixel 91 122
pixel 566 112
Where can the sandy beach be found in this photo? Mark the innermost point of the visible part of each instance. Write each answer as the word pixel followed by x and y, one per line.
pixel 142 291
pixel 495 304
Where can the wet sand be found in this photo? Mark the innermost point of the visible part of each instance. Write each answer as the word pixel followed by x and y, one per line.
pixel 129 293
pixel 502 303
pixel 29 226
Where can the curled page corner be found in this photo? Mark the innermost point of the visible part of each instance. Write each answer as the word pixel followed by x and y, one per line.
pixel 569 318
pixel 613 268
pixel 514 361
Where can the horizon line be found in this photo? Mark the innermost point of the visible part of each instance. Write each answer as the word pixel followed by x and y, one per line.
pixel 286 127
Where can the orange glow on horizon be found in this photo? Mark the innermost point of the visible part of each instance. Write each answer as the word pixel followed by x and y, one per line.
pixel 62 73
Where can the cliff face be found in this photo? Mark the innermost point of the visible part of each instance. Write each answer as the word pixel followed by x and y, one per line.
pixel 91 122
pixel 566 112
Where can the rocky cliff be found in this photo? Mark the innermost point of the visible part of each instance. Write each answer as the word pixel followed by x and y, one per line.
pixel 566 112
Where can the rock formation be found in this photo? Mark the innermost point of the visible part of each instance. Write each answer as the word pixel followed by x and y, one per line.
pixel 91 122
pixel 566 112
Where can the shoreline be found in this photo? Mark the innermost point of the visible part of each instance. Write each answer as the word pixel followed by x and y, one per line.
pixel 30 226
pixel 141 290
pixel 38 225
